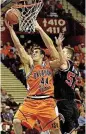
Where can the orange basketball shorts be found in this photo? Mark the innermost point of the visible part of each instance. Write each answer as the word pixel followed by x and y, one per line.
pixel 39 114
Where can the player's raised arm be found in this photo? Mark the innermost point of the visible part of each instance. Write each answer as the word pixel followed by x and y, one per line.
pixel 48 42
pixel 59 41
pixel 26 59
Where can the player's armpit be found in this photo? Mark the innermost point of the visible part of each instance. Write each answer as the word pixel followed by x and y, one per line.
pixel 55 64
pixel 65 66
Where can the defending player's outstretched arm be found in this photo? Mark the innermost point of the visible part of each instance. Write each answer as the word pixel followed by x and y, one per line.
pixel 59 41
pixel 26 59
pixel 48 42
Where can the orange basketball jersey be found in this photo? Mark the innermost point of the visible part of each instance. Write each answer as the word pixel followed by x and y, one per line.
pixel 40 80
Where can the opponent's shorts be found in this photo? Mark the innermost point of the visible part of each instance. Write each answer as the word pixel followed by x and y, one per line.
pixel 39 114
pixel 70 113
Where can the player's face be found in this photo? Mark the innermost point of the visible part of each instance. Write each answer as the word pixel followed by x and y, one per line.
pixel 65 53
pixel 76 63
pixel 36 55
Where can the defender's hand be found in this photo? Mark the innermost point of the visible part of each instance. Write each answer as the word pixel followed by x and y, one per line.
pixel 59 40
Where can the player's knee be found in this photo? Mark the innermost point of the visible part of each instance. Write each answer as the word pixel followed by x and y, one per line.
pixel 16 122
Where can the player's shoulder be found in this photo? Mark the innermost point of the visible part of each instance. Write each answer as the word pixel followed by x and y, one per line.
pixel 67 68
pixel 71 62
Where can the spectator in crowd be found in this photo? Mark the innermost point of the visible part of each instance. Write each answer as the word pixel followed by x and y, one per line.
pixel 76 64
pixel 45 10
pixel 77 49
pixel 1 47
pixel 59 5
pixel 3 107
pixel 11 54
pixel 59 8
pixel 4 55
pixel 12 58
pixel 12 103
pixel 8 46
pixel 53 9
pixel 4 52
pixel 82 122
pixel 62 14
pixel 82 48
pixel 7 116
pixel 5 129
pixel 82 119
pixel 14 64
pixel 80 57
pixel 4 95
pixel 69 14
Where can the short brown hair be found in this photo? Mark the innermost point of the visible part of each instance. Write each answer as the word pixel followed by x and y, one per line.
pixel 70 51
pixel 41 51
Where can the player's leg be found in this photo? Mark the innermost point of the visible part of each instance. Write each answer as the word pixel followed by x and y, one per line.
pixel 65 107
pixel 17 126
pixel 51 131
pixel 70 119
pixel 49 120
pixel 74 132
pixel 62 121
pixel 46 132
pixel 24 117
pixel 56 130
pixel 75 117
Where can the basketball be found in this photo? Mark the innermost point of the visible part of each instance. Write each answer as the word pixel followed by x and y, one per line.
pixel 12 15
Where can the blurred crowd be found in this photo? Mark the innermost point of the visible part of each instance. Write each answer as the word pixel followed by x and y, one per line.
pixel 8 108
pixel 53 8
pixel 10 58
pixel 7 111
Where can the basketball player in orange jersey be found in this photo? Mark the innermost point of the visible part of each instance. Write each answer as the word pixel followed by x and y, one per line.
pixel 38 109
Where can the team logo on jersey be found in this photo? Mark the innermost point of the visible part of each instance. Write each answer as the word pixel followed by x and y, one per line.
pixel 72 79
pixel 41 73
